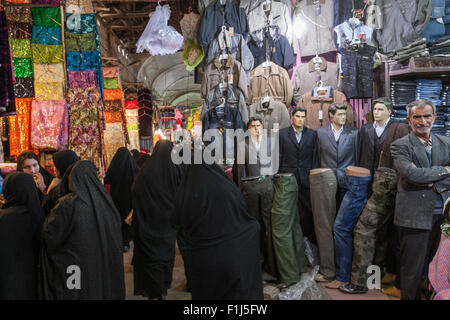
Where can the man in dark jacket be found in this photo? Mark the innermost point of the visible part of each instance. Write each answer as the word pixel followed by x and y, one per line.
pixel 297 155
pixel 422 160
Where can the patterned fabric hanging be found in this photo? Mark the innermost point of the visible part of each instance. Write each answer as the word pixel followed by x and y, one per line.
pixel 49 126
pixel 19 127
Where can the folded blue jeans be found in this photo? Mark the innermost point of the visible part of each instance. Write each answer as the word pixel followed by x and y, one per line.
pixel 351 208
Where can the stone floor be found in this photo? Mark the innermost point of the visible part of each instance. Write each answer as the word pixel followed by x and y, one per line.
pixel 178 289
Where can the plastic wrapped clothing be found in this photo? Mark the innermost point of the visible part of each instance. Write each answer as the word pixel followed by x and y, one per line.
pixel 19 219
pixel 305 289
pixel 83 230
pixel 213 223
pixel 159 38
pixel 153 194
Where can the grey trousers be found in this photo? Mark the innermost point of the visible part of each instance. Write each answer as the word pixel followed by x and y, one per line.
pixel 324 188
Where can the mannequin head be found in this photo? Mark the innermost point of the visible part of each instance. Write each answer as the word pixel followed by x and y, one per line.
pixel 421 117
pixel 337 113
pixel 255 127
pixel 382 109
pixel 298 118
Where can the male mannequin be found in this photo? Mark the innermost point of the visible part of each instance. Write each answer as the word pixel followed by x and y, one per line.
pixel 336 150
pixel 258 190
pixel 297 155
pixel 373 134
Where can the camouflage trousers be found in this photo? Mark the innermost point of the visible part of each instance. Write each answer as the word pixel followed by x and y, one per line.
pixel 371 231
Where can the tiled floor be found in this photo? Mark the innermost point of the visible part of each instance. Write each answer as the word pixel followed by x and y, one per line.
pixel 178 292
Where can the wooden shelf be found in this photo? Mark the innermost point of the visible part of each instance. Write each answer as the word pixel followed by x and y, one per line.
pixel 434 66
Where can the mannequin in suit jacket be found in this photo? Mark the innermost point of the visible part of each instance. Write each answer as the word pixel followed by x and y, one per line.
pixel 423 187
pixel 372 135
pixel 337 155
pixel 299 158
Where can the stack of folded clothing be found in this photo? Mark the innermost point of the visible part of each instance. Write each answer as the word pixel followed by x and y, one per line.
pixel 402 93
pixel 445 98
pixel 431 90
pixel 440 47
pixel 415 49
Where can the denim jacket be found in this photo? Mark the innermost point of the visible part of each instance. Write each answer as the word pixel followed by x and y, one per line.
pixel 280 52
pixel 402 22
pixel 235 46
pixel 214 17
pixel 234 99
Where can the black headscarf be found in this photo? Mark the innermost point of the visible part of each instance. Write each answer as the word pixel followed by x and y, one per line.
pixel 20 220
pixel 63 159
pixel 48 177
pixel 136 154
pixel 120 176
pixel 142 159
pixel 83 230
pixel 153 199
pixel 221 239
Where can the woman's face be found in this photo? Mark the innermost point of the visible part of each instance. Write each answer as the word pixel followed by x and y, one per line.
pixel 30 166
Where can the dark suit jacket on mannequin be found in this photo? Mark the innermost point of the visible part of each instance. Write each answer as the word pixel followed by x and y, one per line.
pixel 299 159
pixel 370 146
pixel 337 155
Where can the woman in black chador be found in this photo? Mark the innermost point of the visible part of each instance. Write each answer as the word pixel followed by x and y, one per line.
pixel 220 238
pixel 62 161
pixel 20 221
pixel 28 162
pixel 154 239
pixel 118 180
pixel 81 256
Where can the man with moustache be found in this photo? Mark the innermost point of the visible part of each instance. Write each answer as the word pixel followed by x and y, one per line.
pixel 422 161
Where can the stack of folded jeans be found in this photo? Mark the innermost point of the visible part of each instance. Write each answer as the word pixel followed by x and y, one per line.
pixel 431 90
pixel 445 98
pixel 415 49
pixel 402 93
pixel 440 47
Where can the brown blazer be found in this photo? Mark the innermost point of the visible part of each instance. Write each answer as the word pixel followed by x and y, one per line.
pixel 314 104
pixel 396 131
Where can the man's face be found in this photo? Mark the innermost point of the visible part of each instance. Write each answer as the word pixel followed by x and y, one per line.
pixel 298 119
pixel 381 112
pixel 421 120
pixel 255 128
pixel 30 166
pixel 339 118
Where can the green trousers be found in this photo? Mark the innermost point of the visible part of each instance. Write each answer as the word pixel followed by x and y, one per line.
pixel 286 231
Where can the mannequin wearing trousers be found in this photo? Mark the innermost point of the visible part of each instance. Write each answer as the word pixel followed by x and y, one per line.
pixel 336 150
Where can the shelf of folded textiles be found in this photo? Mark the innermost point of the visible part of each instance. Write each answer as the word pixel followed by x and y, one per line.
pixel 422 66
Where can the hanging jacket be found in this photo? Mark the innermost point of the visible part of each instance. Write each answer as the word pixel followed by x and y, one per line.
pixel 214 17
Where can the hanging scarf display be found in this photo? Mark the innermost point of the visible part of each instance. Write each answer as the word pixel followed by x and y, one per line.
pixel 19 127
pixel 20 48
pixel 87 23
pixel 49 126
pixel 6 73
pixel 49 72
pixel 49 90
pixel 47 35
pixel 24 88
pixel 47 53
pixel 19 30
pixel 23 67
pixel 111 83
pixel 114 139
pixel 80 42
pixel 46 17
pixel 84 6
pixel 19 14
pixel 82 79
